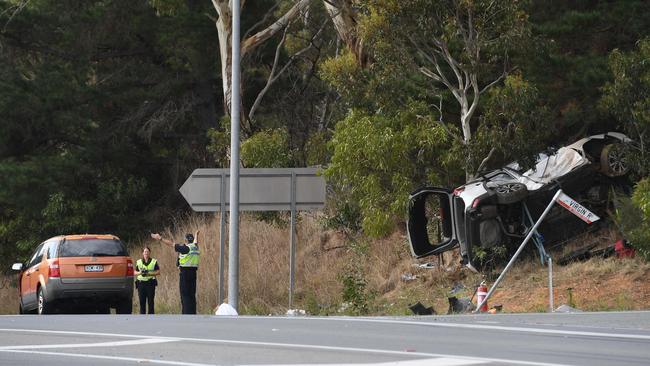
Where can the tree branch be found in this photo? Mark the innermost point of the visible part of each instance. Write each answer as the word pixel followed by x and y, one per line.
pixel 253 41
pixel 271 78
pixel 486 160
pixel 15 9
pixel 264 20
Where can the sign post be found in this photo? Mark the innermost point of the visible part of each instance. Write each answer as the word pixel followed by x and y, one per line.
pixel 283 189
pixel 235 103
pixel 564 201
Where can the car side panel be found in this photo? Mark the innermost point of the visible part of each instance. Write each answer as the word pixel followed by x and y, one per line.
pixel 28 291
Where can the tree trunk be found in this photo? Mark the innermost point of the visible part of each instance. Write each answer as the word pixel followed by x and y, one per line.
pixel 344 18
pixel 224 30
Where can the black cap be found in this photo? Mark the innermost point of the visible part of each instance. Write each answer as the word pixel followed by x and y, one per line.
pixel 189 238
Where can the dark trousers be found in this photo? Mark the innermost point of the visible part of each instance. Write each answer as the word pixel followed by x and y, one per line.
pixel 187 284
pixel 146 292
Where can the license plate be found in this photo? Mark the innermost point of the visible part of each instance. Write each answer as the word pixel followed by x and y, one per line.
pixel 94 268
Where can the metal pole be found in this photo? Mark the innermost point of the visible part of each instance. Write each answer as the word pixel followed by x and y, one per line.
pixel 550 285
pixel 233 253
pixel 521 247
pixel 222 239
pixel 292 245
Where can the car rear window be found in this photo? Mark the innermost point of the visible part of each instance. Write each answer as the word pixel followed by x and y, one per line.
pixel 92 248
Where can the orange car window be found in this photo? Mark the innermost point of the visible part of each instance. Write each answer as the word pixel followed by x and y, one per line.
pixel 92 248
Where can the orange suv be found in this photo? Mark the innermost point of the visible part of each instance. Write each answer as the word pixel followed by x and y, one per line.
pixel 92 271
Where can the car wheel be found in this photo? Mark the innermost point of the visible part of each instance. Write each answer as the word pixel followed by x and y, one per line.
pixel 44 307
pixel 124 307
pixel 612 160
pixel 510 192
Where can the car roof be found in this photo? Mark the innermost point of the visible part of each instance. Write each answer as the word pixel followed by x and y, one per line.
pixel 86 237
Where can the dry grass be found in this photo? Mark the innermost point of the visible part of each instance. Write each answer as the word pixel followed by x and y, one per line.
pixel 263 266
pixel 393 278
pixel 9 295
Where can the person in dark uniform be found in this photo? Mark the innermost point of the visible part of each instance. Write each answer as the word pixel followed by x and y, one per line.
pixel 188 265
pixel 146 270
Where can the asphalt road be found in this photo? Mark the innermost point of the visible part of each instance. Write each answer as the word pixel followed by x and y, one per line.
pixel 621 338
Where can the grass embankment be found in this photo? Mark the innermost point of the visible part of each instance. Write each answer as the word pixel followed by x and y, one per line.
pixel 338 274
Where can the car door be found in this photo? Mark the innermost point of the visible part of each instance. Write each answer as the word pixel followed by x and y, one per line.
pixel 30 278
pixel 431 228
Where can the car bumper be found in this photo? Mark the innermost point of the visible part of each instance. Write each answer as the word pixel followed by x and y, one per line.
pixel 87 288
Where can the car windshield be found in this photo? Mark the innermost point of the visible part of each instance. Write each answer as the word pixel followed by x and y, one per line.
pixel 92 248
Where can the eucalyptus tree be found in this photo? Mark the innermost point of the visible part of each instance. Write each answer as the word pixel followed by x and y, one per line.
pixel 419 102
pixel 462 47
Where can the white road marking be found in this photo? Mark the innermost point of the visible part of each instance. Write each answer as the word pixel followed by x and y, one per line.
pixel 425 362
pixel 114 358
pixel 281 345
pixel 86 345
pixel 492 327
pixel 442 361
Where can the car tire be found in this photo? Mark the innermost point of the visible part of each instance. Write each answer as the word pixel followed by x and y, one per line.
pixel 508 193
pixel 124 307
pixel 44 306
pixel 612 161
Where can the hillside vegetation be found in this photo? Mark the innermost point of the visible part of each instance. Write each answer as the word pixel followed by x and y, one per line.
pixel 108 106
pixel 340 275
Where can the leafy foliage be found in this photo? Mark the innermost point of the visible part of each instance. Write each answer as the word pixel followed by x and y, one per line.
pixel 98 101
pixel 267 149
pixel 568 61
pixel 108 105
pixel 355 285
pixel 376 158
pixel 513 114
pixel 633 217
pixel 627 99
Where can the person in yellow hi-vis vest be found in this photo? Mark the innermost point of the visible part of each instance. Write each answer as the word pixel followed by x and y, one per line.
pixel 146 270
pixel 188 265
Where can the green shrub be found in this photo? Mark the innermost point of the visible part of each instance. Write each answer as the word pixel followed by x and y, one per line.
pixel 633 218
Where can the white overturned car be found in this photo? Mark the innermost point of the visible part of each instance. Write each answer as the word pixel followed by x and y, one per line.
pixel 498 208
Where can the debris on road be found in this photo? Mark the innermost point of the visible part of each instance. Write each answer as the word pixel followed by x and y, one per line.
pixel 458 287
pixel 408 277
pixel 419 309
pixel 462 305
pixel 623 249
pixel 566 309
pixel 296 312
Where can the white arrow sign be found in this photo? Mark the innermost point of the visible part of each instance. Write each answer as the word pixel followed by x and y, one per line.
pixel 259 189
pixel 577 209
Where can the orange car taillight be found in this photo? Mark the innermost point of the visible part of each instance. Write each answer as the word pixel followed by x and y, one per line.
pixel 129 267
pixel 54 270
